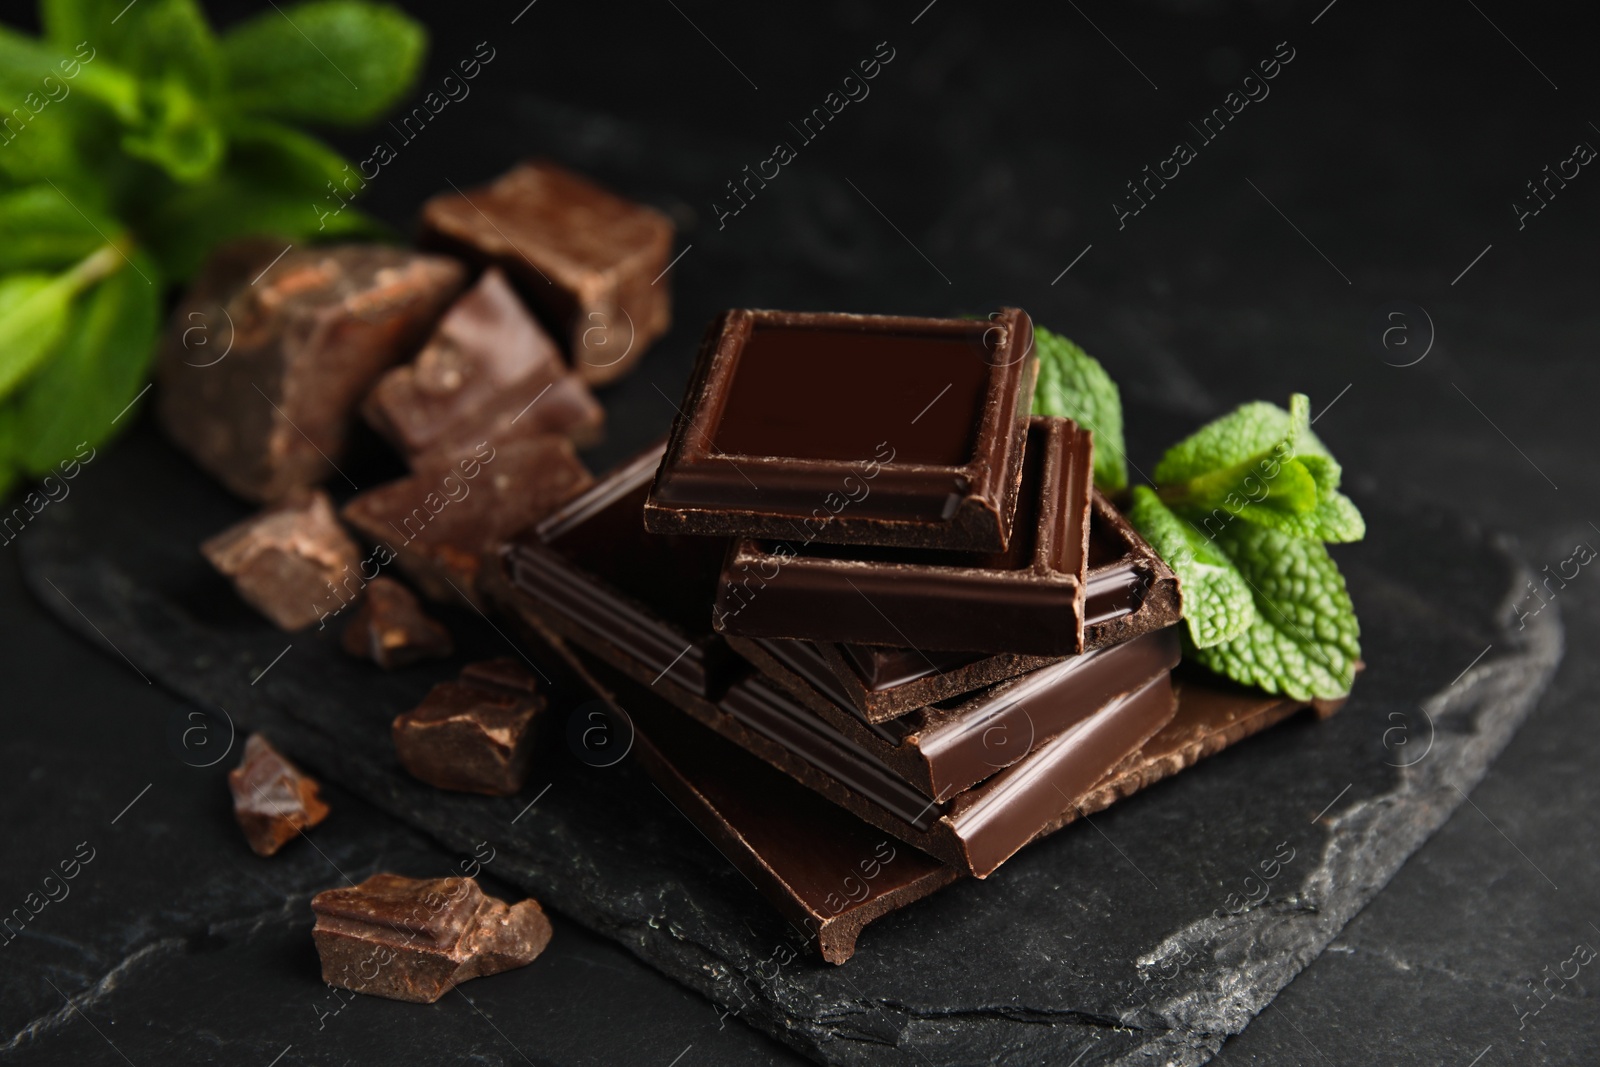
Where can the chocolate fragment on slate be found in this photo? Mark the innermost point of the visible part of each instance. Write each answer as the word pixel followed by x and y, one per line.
pixel 591 262
pixel 474 735
pixel 416 939
pixel 266 358
pixel 288 561
pixel 273 799
pixel 390 628
pixel 851 429
pixel 1026 600
pixel 438 523
pixel 488 373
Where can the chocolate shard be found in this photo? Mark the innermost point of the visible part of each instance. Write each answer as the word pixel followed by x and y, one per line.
pixel 269 353
pixel 438 523
pixel 489 372
pixel 286 561
pixel 474 735
pixel 591 262
pixel 273 799
pixel 416 939
pixel 390 628
pixel 852 429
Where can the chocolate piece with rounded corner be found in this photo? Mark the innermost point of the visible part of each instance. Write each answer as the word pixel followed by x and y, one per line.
pixel 592 263
pixel 1027 600
pixel 390 628
pixel 274 801
pixel 851 429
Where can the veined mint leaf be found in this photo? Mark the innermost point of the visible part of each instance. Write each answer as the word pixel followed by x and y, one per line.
pixel 1073 384
pixel 1304 641
pixel 154 39
pixel 327 61
pixel 33 316
pixel 40 230
pixel 1234 440
pixel 1217 603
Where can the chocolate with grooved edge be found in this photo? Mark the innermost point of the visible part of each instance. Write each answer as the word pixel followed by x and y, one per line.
pixel 603 582
pixel 416 939
pixel 1027 600
pixel 438 523
pixel 1130 591
pixel 390 628
pixel 592 263
pixel 289 561
pixel 851 429
pixel 827 872
pixel 488 373
pixel 274 801
pixel 474 735
pixel 270 351
pixel 945 748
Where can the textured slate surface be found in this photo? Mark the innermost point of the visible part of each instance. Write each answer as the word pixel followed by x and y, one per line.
pixel 1098 941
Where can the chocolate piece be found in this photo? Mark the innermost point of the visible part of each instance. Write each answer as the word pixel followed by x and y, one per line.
pixel 827 872
pixel 591 262
pixel 267 357
pixel 438 522
pixel 285 561
pixel 1213 713
pixel 416 939
pixel 609 585
pixel 391 629
pixel 475 735
pixel 488 373
pixel 945 748
pixel 1130 591
pixel 273 799
pixel 1026 600
pixel 851 429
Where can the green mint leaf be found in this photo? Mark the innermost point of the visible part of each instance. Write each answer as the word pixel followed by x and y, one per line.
pixel 1304 640
pixel 40 230
pixel 1235 440
pixel 1073 384
pixel 328 61
pixel 1217 603
pixel 33 316
pixel 1335 518
pixel 153 39
pixel 1265 482
pixel 98 368
pixel 179 134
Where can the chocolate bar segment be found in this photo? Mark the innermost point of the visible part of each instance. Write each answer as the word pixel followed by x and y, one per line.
pixel 269 353
pixel 851 429
pixel 603 582
pixel 591 262
pixel 439 522
pixel 1027 600
pixel 1130 591
pixel 488 373
pixel 945 748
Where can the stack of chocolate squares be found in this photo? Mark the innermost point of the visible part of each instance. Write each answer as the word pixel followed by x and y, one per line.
pixel 860 563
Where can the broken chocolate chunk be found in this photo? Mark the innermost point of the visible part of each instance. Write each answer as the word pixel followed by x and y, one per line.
pixel 591 262
pixel 416 939
pixel 474 735
pixel 391 629
pixel 489 372
pixel 273 799
pixel 438 523
pixel 270 352
pixel 287 561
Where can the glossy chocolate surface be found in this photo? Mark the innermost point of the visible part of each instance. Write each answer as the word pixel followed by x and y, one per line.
pixel 1027 599
pixel 943 749
pixel 851 429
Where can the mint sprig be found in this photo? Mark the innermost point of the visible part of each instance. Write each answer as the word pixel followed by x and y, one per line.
pixel 137 140
pixel 1241 510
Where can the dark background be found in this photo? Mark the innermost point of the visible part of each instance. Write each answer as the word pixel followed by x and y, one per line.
pixel 1386 158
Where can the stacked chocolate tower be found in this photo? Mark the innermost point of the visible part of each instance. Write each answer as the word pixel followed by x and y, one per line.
pixel 873 624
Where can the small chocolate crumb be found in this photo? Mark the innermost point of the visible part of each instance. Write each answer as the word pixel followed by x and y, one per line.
pixel 288 561
pixel 416 939
pixel 474 735
pixel 273 799
pixel 391 629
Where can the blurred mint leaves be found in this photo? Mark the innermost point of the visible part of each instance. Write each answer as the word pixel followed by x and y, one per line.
pixel 1242 510
pixel 133 140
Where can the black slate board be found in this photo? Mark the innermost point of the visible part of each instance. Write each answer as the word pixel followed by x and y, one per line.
pixel 1101 943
